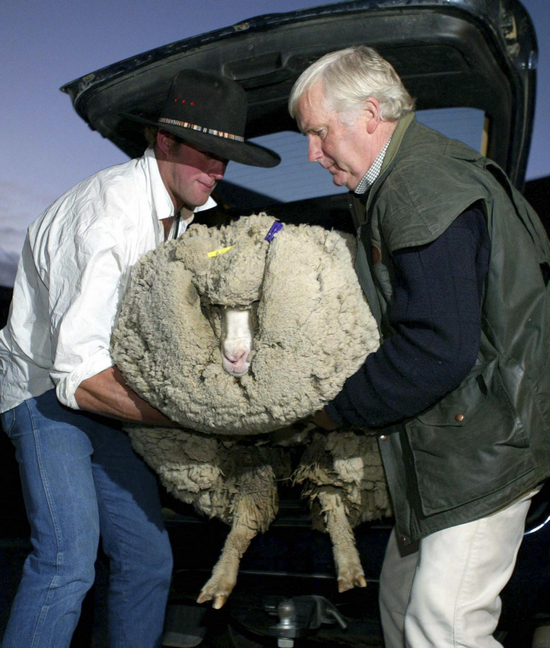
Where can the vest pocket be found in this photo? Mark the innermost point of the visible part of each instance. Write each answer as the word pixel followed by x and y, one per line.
pixel 470 444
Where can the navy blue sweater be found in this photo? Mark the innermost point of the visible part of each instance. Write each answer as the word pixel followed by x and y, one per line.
pixel 436 315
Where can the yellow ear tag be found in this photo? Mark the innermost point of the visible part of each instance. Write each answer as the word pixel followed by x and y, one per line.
pixel 220 251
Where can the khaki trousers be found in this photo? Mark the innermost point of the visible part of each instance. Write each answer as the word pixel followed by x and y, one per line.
pixel 444 591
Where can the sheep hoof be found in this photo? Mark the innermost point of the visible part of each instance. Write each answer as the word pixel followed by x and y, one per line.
pixel 210 594
pixel 219 601
pixel 345 584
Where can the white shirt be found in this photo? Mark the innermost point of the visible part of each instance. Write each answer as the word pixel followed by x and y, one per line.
pixel 74 269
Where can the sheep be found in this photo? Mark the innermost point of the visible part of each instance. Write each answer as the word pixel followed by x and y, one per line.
pixel 239 339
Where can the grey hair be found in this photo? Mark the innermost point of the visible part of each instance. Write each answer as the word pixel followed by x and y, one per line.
pixel 350 76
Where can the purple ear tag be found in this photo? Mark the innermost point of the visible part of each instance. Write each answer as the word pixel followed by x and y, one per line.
pixel 276 227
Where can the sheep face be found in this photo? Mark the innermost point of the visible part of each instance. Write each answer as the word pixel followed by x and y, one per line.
pixel 237 334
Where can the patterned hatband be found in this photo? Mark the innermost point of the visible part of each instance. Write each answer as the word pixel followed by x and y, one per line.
pixel 202 129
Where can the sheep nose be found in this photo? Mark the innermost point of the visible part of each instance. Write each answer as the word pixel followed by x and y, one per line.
pixel 235 360
pixel 237 369
pixel 233 357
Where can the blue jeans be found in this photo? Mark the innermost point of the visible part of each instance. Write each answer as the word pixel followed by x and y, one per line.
pixel 81 479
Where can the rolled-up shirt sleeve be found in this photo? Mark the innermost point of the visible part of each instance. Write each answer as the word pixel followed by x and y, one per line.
pixel 85 292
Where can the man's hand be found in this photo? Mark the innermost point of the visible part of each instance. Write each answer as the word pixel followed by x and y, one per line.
pixel 323 420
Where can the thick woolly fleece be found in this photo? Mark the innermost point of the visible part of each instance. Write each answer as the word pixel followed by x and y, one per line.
pixel 349 463
pixel 215 474
pixel 314 327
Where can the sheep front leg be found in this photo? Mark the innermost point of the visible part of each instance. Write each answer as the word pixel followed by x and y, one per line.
pixel 224 575
pixel 346 557
pixel 255 504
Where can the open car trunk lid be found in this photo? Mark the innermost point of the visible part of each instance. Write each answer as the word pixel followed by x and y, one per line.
pixel 449 53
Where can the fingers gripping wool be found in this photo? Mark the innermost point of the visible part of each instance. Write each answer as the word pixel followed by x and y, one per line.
pixel 314 328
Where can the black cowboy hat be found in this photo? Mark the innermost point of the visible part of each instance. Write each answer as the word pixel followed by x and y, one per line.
pixel 209 111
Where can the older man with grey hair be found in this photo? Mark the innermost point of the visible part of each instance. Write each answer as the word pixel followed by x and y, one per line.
pixel 455 266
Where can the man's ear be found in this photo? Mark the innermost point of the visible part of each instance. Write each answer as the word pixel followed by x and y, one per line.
pixel 164 141
pixel 372 113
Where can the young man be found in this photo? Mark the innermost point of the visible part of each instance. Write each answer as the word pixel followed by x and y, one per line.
pixel 62 398
pixel 455 266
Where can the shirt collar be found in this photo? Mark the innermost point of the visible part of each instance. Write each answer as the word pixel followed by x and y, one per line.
pixel 373 172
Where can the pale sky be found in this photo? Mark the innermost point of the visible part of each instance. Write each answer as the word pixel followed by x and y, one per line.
pixel 44 44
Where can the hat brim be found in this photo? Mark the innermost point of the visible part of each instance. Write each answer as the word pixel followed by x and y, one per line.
pixel 242 152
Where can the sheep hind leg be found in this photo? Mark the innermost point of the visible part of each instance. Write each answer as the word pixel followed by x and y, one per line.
pixel 224 575
pixel 349 570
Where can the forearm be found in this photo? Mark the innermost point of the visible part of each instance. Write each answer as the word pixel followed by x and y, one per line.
pixel 107 394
